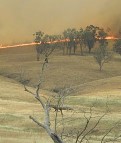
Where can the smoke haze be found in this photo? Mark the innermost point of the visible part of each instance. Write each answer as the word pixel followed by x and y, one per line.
pixel 19 19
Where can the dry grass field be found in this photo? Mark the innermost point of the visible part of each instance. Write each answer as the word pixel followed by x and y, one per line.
pixel 80 73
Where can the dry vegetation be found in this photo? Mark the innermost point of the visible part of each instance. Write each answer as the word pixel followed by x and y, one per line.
pixel 90 86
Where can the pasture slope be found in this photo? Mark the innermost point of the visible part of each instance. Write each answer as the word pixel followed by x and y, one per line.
pixel 15 107
pixel 90 86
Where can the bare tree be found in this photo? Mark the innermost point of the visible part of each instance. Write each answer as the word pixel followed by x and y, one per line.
pixel 45 104
pixel 58 128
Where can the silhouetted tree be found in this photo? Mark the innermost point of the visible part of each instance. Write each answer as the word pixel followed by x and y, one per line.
pixel 117 46
pixel 81 39
pixel 38 39
pixel 89 36
pixel 71 35
pixel 102 36
pixel 45 44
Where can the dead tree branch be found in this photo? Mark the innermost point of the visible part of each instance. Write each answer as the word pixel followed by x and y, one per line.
pixel 46 108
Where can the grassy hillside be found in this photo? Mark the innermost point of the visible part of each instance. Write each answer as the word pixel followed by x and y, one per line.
pixel 62 71
pixel 16 106
pixel 80 73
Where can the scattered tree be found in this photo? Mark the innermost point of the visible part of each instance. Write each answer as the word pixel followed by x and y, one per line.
pixel 81 40
pixel 117 46
pixel 102 37
pixel 45 44
pixel 38 38
pixel 71 39
pixel 71 36
pixel 102 56
pixel 57 128
pixel 89 36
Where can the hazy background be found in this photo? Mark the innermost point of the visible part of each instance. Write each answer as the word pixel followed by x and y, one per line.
pixel 19 19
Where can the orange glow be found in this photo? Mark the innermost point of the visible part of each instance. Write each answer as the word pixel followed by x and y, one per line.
pixel 29 44
pixel 111 38
pixel 18 45
pixel 56 41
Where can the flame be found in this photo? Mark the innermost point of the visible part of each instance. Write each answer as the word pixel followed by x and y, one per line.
pixel 111 38
pixel 56 41
pixel 18 45
pixel 33 43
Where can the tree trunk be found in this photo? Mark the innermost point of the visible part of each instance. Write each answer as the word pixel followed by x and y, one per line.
pixel 67 47
pixel 81 50
pixel 63 50
pixel 74 45
pixel 89 50
pixel 101 67
pixel 38 56
pixel 70 50
pixel 55 138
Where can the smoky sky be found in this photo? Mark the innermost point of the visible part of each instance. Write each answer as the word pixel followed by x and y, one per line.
pixel 19 19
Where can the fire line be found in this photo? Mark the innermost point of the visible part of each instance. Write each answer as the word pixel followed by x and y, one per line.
pixel 57 41
pixel 18 45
